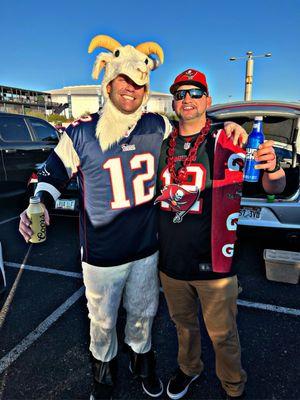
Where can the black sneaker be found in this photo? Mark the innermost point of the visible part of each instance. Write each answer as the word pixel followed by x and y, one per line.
pixel 152 385
pixel 142 365
pixel 179 384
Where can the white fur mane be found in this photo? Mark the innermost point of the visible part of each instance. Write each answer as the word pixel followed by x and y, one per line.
pixel 113 124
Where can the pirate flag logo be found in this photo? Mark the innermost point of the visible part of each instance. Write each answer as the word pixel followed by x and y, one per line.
pixel 179 199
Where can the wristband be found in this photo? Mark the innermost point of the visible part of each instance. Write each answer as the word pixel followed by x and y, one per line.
pixel 275 169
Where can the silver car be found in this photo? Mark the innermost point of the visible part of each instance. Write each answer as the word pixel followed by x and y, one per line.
pixel 281 123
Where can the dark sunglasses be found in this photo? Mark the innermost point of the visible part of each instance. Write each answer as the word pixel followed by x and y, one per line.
pixel 194 93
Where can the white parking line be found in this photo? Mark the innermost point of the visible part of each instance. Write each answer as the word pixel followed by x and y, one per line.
pixel 262 306
pixel 243 303
pixel 6 306
pixel 7 360
pixel 269 307
pixel 47 270
pixel 8 220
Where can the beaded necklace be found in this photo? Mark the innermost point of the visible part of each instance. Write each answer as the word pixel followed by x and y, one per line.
pixel 181 174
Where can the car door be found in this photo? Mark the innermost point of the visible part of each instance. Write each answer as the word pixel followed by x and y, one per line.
pixel 45 136
pixel 17 149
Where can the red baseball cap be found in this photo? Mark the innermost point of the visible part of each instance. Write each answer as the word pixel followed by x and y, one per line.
pixel 190 77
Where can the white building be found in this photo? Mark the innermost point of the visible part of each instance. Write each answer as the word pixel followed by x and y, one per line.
pixel 87 98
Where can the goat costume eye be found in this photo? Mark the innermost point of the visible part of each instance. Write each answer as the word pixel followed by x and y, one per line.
pixel 146 61
pixel 117 53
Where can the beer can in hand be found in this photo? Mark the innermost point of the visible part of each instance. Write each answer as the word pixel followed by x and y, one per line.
pixel 35 213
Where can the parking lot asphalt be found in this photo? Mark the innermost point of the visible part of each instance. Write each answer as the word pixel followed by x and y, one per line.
pixel 44 327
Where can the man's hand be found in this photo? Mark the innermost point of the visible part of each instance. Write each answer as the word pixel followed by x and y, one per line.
pixel 275 182
pixel 236 133
pixel 24 225
pixel 266 156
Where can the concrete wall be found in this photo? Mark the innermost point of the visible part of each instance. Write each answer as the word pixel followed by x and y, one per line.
pixel 159 104
pixel 82 104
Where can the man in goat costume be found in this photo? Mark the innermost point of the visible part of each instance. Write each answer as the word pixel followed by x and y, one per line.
pixel 115 156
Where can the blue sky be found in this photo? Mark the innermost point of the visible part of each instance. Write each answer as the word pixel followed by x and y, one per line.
pixel 44 44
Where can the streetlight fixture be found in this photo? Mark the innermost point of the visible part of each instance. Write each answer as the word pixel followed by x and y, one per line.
pixel 249 71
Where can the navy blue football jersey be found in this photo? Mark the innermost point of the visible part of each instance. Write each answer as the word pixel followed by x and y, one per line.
pixel 118 221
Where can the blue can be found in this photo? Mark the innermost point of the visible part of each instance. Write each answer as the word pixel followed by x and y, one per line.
pixel 255 139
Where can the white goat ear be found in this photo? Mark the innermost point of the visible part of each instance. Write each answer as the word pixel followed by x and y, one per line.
pixel 97 68
pixel 100 63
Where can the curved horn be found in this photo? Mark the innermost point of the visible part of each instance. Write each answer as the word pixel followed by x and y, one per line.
pixel 104 41
pixel 151 48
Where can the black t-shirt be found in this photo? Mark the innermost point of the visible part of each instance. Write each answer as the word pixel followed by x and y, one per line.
pixel 185 247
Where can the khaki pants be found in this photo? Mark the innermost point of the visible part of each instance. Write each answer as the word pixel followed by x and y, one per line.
pixel 218 302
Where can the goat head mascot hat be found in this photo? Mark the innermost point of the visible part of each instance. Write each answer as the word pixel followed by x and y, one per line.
pixel 127 60
pixel 134 62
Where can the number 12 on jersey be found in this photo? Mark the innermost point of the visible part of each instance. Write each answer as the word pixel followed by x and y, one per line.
pixel 116 171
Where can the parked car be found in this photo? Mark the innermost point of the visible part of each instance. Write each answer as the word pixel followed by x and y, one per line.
pixel 281 122
pixel 25 143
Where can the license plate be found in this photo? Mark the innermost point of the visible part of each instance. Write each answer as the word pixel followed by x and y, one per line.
pixel 62 204
pixel 250 212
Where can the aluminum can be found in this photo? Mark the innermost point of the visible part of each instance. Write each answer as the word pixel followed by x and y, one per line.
pixel 35 213
pixel 255 139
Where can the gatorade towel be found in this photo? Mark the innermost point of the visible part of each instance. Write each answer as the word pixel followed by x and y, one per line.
pixel 226 197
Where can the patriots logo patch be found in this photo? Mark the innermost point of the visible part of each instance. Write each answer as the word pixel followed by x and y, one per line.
pixel 128 147
pixel 179 199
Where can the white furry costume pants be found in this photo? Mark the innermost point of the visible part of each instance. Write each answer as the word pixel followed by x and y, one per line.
pixel 137 282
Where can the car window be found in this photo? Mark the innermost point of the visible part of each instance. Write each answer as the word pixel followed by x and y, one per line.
pixel 44 131
pixel 283 154
pixel 14 129
pixel 274 127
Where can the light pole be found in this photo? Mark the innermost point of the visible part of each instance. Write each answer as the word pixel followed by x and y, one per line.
pixel 249 71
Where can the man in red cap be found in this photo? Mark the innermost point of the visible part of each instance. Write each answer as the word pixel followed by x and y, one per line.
pixel 200 199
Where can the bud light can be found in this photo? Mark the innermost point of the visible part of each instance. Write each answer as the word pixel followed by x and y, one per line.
pixel 255 139
pixel 35 213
